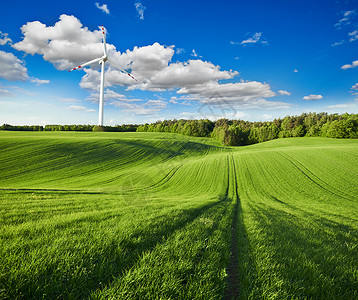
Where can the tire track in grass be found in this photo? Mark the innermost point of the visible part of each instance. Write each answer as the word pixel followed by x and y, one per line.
pixel 306 172
pixel 232 280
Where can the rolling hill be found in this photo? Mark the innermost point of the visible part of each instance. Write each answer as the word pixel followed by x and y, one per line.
pixel 164 216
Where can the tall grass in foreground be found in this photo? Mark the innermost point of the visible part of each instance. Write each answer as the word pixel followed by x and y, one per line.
pixel 150 216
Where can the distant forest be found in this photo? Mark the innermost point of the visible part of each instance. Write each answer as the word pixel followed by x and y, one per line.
pixel 117 128
pixel 239 132
pixel 232 132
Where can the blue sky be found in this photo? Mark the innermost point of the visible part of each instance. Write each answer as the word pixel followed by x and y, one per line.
pixel 253 60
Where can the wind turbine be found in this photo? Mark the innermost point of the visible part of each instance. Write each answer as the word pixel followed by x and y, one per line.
pixel 102 60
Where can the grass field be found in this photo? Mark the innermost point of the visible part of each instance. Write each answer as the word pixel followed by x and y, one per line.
pixel 164 216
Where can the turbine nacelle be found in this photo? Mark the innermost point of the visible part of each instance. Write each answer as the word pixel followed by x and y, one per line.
pixel 103 59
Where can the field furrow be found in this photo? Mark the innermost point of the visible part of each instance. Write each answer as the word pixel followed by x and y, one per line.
pixel 164 216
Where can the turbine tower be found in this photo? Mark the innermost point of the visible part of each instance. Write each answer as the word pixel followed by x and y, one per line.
pixel 102 60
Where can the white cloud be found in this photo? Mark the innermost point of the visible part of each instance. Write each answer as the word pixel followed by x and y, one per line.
pixel 312 97
pixel 151 66
pixel 12 68
pixel 4 39
pixel 256 38
pixel 173 100
pixel 355 87
pixel 66 44
pixel 281 92
pixel 347 105
pixel 103 8
pixel 295 71
pixel 187 74
pixel 39 81
pixel 140 10
pixel 193 53
pixel 145 61
pixel 243 95
pixel 240 90
pixel 338 43
pixel 17 90
pixel 64 99
pixel 179 50
pixel 6 93
pixel 156 103
pixel 110 95
pixel 353 35
pixel 80 108
pixel 148 108
pixel 348 66
pixel 347 18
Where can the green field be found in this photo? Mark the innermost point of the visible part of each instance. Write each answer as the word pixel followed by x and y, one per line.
pixel 165 216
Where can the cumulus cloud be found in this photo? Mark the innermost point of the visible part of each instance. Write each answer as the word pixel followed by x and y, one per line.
pixel 80 108
pixel 145 61
pixel 12 68
pixel 244 94
pixel 355 87
pixel 140 8
pixel 242 90
pixel 185 75
pixel 295 71
pixel 312 97
pixel 151 66
pixel 281 92
pixel 4 39
pixel 66 44
pixel 103 8
pixel 350 66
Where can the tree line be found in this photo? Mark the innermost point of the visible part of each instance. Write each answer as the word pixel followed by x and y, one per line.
pixel 231 132
pixel 239 132
pixel 117 128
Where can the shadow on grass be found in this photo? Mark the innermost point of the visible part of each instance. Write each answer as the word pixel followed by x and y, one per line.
pixel 310 257
pixel 112 261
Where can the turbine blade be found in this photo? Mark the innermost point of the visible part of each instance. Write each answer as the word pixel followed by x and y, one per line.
pixel 120 69
pixel 86 64
pixel 104 41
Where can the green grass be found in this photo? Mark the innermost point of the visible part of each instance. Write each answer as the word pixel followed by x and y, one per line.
pixel 151 216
